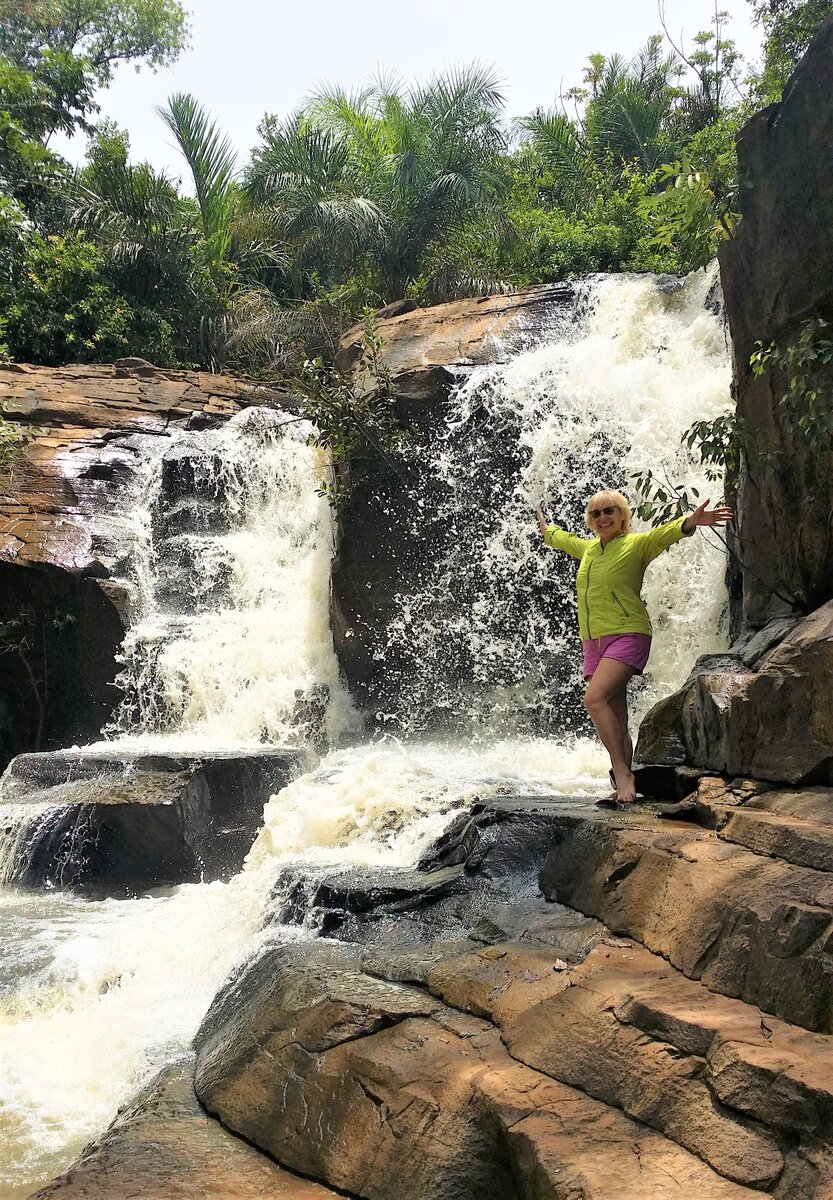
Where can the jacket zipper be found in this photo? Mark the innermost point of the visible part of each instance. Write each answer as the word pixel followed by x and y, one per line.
pixel 621 606
pixel 587 599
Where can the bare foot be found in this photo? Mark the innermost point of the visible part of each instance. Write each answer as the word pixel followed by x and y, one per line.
pixel 625 786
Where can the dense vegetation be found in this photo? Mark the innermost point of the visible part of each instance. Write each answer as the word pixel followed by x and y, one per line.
pixel 355 200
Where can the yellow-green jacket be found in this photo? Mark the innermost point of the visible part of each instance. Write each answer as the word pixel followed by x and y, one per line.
pixel 610 577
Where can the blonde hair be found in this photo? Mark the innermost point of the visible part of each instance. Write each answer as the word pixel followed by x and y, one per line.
pixel 602 500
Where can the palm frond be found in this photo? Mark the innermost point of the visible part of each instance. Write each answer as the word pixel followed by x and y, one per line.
pixel 212 161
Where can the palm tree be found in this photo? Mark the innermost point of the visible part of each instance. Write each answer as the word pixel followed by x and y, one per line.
pixel 625 125
pixel 137 216
pixel 375 181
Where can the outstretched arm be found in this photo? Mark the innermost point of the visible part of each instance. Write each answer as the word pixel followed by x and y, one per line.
pixel 559 539
pixel 701 516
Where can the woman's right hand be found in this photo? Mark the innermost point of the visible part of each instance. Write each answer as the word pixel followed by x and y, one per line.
pixel 542 522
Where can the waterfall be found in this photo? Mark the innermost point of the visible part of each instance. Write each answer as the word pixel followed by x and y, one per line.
pixel 227 550
pixel 488 645
pixel 230 568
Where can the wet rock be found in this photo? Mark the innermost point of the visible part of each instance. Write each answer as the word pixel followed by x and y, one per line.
pixel 82 418
pixel 163 1144
pixel 61 634
pixel 112 824
pixel 505 842
pixel 388 540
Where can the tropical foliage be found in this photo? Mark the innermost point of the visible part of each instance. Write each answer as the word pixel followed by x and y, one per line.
pixel 418 191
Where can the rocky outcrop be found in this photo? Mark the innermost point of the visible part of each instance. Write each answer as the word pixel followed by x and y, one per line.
pixel 684 1019
pixel 389 536
pixel 422 346
pixel 63 620
pixel 81 420
pixel 386 1090
pixel 776 271
pixel 669 1034
pixel 163 1145
pixel 767 715
pixel 112 823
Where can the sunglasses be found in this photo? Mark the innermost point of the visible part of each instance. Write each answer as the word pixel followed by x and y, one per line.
pixel 595 513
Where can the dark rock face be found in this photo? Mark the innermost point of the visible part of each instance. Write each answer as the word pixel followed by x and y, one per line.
pixel 776 271
pixel 486 859
pixel 387 543
pixel 61 637
pixel 115 825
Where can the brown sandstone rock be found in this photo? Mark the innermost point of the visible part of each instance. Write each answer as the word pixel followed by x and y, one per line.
pixel 395 1097
pixel 750 927
pixel 775 723
pixel 163 1145
pixel 75 413
pixel 421 343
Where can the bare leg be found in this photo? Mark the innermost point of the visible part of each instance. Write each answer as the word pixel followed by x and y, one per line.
pixel 619 704
pixel 609 681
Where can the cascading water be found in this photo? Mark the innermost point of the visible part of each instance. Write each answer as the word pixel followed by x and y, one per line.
pixel 231 568
pixel 230 647
pixel 595 403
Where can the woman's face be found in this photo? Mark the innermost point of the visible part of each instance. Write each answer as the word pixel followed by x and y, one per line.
pixel 606 518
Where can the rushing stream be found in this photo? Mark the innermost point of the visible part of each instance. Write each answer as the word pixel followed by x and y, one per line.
pixel 230 647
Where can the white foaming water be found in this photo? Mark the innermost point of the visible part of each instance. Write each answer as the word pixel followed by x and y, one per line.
pixel 234 625
pixel 607 397
pixel 233 622
pixel 101 994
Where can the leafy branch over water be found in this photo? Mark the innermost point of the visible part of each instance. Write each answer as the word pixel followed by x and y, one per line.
pixel 353 412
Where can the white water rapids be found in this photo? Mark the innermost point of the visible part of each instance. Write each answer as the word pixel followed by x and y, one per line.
pixel 231 629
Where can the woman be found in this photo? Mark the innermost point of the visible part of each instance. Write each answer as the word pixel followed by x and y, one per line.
pixel 613 622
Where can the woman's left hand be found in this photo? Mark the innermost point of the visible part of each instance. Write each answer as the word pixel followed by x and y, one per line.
pixel 701 516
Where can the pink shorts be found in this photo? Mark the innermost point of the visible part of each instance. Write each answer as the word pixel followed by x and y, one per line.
pixel 630 648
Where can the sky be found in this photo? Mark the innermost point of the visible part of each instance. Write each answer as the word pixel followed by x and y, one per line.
pixel 248 58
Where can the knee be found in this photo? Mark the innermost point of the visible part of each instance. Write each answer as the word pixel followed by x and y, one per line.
pixel 593 701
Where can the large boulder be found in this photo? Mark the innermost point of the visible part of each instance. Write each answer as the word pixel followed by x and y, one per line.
pixel 386 1092
pixel 766 715
pixel 777 270
pixel 115 823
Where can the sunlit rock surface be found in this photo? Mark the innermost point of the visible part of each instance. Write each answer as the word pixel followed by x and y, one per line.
pixel 163 1144
pixel 82 418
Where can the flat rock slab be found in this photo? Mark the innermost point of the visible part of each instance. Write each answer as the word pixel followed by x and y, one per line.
pixel 795 825
pixel 388 1093
pixel 164 1145
pixel 751 927
pixel 111 823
